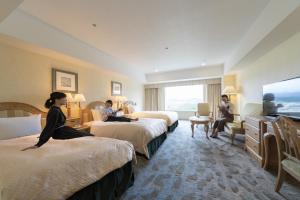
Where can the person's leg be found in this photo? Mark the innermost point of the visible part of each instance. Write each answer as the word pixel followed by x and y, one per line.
pixel 215 126
pixel 222 124
pixel 66 133
pixel 220 127
pixel 117 119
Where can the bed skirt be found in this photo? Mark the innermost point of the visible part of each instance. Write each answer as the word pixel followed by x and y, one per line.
pixel 173 126
pixel 110 187
pixel 154 145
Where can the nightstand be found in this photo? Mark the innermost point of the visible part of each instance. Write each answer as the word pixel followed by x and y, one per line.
pixel 76 124
pixel 84 128
pixel 73 121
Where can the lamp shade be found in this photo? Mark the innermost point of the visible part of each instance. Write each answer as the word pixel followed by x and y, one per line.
pixel 79 98
pixel 69 97
pixel 229 90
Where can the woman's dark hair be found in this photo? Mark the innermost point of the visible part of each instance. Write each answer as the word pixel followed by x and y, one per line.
pixel 109 101
pixel 53 96
pixel 224 95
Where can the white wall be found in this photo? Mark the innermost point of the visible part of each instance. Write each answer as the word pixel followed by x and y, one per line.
pixel 26 77
pixel 281 63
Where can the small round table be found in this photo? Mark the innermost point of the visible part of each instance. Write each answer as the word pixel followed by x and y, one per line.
pixel 200 120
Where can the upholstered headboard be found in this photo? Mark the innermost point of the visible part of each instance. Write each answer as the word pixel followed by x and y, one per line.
pixel 86 114
pixel 15 109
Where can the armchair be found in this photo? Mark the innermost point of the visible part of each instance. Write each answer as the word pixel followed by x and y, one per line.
pixel 237 126
pixel 288 145
pixel 204 111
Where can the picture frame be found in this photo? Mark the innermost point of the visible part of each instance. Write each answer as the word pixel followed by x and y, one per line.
pixel 64 81
pixel 116 88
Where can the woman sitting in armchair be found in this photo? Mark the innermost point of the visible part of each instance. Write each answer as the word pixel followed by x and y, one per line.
pixel 226 109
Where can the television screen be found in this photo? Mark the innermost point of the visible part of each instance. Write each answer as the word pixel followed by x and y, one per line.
pixel 282 98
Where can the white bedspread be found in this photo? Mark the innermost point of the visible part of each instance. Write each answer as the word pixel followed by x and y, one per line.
pixel 59 168
pixel 169 116
pixel 139 133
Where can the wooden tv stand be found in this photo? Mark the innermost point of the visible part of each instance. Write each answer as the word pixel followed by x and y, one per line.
pixel 254 129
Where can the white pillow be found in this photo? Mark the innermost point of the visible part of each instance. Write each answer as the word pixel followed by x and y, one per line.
pixel 97 113
pixel 14 127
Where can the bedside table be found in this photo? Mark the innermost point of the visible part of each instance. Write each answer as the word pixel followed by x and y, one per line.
pixel 84 128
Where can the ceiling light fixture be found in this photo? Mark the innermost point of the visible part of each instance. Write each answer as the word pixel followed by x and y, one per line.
pixel 203 63
pixel 155 70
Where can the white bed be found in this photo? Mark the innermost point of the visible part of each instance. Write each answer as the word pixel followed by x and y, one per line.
pixel 59 168
pixel 169 116
pixel 140 133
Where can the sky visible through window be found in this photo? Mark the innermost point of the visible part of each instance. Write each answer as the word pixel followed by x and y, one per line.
pixel 183 98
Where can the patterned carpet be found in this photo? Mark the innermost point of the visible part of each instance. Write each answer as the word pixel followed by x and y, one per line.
pixel 185 169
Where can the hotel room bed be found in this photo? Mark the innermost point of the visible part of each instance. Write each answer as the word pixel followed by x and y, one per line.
pixel 146 135
pixel 169 116
pixel 82 168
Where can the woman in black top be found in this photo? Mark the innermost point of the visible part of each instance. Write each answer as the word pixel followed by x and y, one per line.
pixel 55 126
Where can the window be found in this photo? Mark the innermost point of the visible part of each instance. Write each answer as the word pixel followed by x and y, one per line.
pixel 183 98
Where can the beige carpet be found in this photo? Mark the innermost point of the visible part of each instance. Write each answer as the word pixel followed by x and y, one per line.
pixel 185 169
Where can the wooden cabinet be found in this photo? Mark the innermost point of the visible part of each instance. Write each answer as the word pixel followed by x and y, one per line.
pixel 73 122
pixel 254 129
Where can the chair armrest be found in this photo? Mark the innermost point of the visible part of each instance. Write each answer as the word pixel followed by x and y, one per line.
pixel 268 135
pixel 242 124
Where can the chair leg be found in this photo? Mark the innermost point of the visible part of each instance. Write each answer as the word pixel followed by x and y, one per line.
pixel 280 178
pixel 232 137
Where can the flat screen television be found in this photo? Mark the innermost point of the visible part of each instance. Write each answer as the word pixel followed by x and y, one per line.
pixel 282 98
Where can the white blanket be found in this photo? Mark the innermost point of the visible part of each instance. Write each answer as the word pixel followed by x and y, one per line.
pixel 169 116
pixel 139 133
pixel 59 168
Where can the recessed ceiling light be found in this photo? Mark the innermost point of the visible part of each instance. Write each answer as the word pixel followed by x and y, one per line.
pixel 203 63
pixel 155 70
pixel 94 25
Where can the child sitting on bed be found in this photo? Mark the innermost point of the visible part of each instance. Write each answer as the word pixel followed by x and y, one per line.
pixel 111 116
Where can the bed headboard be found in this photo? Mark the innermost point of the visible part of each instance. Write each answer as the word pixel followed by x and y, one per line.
pixel 86 114
pixel 15 109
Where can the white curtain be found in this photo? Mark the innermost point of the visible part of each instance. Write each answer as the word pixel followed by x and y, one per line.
pixel 214 97
pixel 152 99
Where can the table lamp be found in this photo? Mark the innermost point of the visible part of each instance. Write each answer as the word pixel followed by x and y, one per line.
pixel 79 98
pixel 229 90
pixel 70 99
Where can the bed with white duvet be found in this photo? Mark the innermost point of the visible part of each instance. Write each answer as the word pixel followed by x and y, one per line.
pixel 60 169
pixel 170 117
pixel 146 134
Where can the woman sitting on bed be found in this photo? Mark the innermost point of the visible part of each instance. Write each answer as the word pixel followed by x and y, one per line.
pixel 111 116
pixel 55 125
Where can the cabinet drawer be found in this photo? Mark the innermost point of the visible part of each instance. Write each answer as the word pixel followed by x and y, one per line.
pixel 253 122
pixel 252 132
pixel 252 144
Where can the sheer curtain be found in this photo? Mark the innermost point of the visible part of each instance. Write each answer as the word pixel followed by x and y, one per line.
pixel 214 97
pixel 151 99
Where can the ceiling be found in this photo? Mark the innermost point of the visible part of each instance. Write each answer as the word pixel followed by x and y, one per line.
pixel 138 32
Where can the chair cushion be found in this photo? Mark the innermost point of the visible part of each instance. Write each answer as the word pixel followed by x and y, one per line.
pixel 234 127
pixel 292 168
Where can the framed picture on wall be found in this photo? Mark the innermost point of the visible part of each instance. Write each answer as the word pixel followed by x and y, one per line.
pixel 64 81
pixel 116 88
